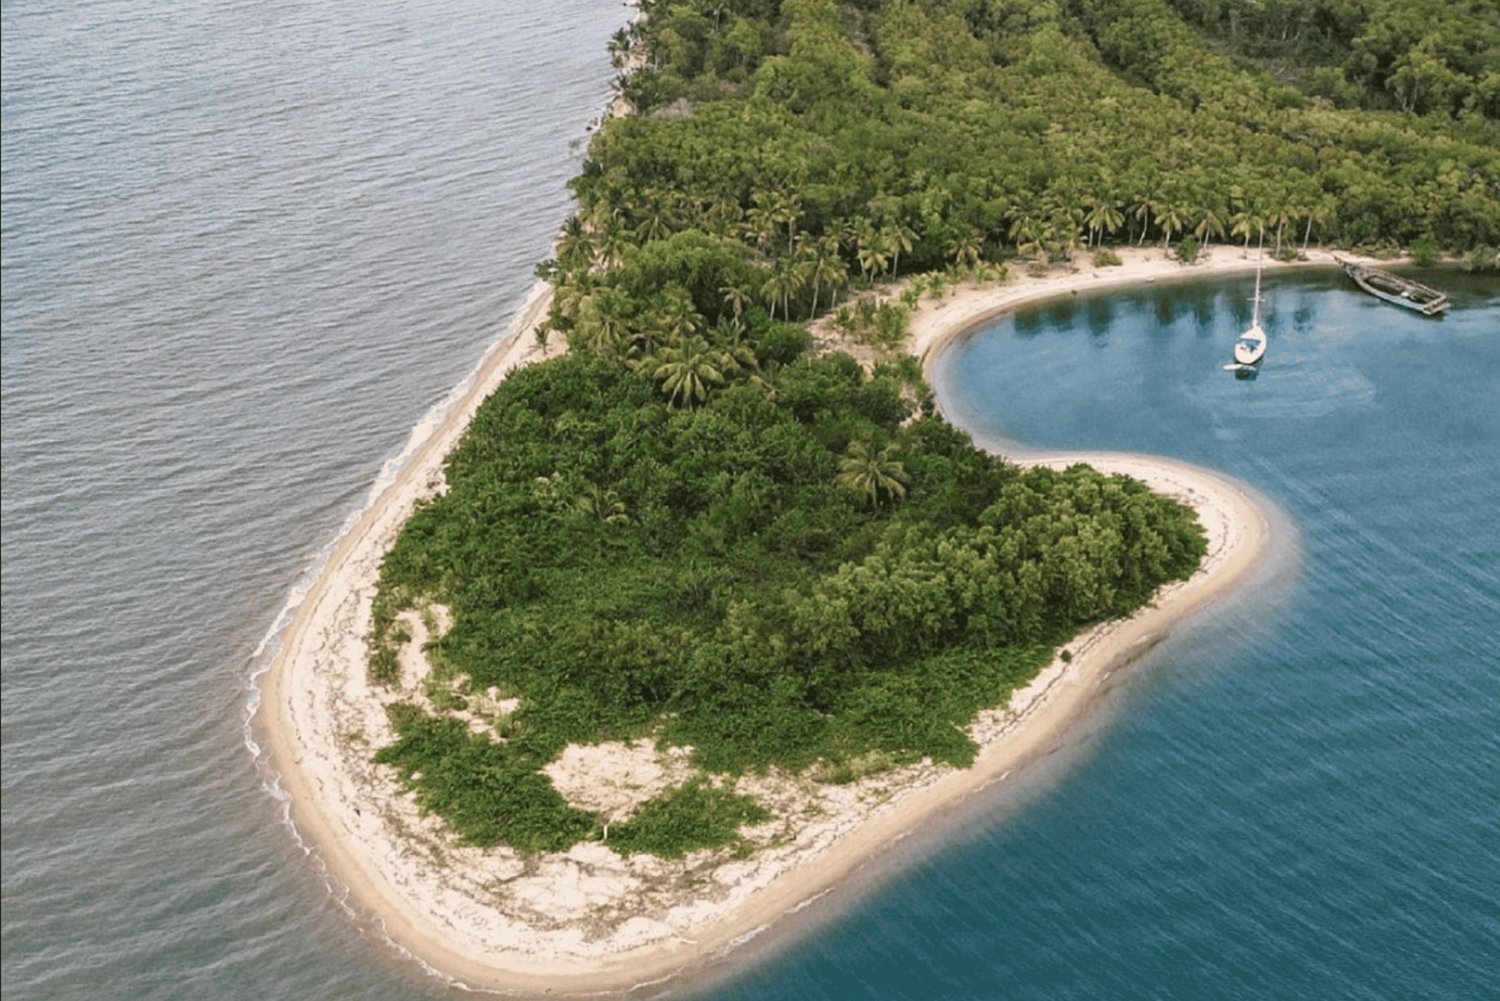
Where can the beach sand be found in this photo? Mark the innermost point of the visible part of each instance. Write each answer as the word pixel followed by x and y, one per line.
pixel 589 921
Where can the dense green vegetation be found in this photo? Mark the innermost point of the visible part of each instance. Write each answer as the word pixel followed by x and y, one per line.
pixel 1415 55
pixel 696 529
pixel 791 573
pixel 839 141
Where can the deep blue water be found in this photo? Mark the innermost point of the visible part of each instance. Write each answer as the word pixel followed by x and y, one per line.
pixel 246 247
pixel 1298 794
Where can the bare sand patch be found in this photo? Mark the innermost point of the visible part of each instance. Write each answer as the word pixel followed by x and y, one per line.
pixel 615 779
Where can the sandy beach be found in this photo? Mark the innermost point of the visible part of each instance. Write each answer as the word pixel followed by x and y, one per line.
pixel 590 921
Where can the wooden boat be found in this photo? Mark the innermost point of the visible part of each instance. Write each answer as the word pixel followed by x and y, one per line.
pixel 1251 346
pixel 1393 288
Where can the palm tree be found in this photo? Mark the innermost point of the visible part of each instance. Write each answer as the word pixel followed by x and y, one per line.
pixel 600 329
pixel 575 247
pixel 735 298
pixel 1280 217
pixel 1065 217
pixel 873 253
pixel 723 217
pixel 824 267
pixel 899 237
pixel 1209 226
pixel 688 369
pixel 1143 210
pixel 760 224
pixel 1104 218
pixel 611 242
pixel 569 297
pixel 963 250
pixel 738 356
pixel 1246 223
pixel 874 476
pixel 1031 236
pixel 783 279
pixel 662 211
pixel 1065 221
pixel 776 208
pixel 788 209
pixel 1318 212
pixel 679 320
pixel 1172 220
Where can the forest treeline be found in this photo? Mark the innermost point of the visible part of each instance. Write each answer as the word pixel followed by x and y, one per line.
pixel 695 528
pixel 987 129
pixel 1414 55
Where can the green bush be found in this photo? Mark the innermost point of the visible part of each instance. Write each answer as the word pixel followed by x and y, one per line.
pixel 686 818
pixel 1425 253
pixel 1481 260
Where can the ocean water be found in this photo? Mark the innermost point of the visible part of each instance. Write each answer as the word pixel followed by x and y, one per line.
pixel 247 248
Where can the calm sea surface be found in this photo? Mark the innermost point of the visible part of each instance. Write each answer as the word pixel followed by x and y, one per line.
pixel 247 247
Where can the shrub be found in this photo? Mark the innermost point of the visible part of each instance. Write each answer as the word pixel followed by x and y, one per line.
pixel 1481 260
pixel 688 818
pixel 1425 253
pixel 1106 258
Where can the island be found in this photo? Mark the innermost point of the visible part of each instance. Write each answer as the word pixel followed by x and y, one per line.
pixel 694 604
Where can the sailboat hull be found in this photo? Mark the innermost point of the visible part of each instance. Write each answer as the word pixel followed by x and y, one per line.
pixel 1251 347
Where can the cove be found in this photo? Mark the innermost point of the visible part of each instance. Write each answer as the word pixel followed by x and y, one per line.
pixel 1294 797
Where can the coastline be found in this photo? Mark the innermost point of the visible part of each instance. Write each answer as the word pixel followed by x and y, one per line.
pixel 322 720
pixel 968 307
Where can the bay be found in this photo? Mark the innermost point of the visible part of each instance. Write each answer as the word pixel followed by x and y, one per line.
pixel 1295 794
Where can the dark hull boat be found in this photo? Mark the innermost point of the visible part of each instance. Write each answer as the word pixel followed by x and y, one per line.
pixel 1393 288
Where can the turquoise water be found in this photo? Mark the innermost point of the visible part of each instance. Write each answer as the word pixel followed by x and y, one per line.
pixel 248 246
pixel 1297 795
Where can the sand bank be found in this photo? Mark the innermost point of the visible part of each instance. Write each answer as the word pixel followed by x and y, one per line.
pixel 589 921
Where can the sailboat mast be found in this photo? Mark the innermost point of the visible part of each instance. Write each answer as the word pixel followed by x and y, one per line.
pixel 1255 321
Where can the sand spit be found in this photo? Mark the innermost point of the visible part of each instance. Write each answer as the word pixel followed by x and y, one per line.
pixel 589 921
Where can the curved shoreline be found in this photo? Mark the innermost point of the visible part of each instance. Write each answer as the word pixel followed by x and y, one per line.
pixel 320 718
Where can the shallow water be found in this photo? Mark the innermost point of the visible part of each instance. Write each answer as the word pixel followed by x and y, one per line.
pixel 247 248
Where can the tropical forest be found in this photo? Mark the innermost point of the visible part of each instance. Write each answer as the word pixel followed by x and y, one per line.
pixel 710 525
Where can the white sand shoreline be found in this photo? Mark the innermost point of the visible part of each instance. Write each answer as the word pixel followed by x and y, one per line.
pixel 563 924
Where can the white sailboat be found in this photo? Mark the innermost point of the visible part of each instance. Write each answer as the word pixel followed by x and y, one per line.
pixel 1251 346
